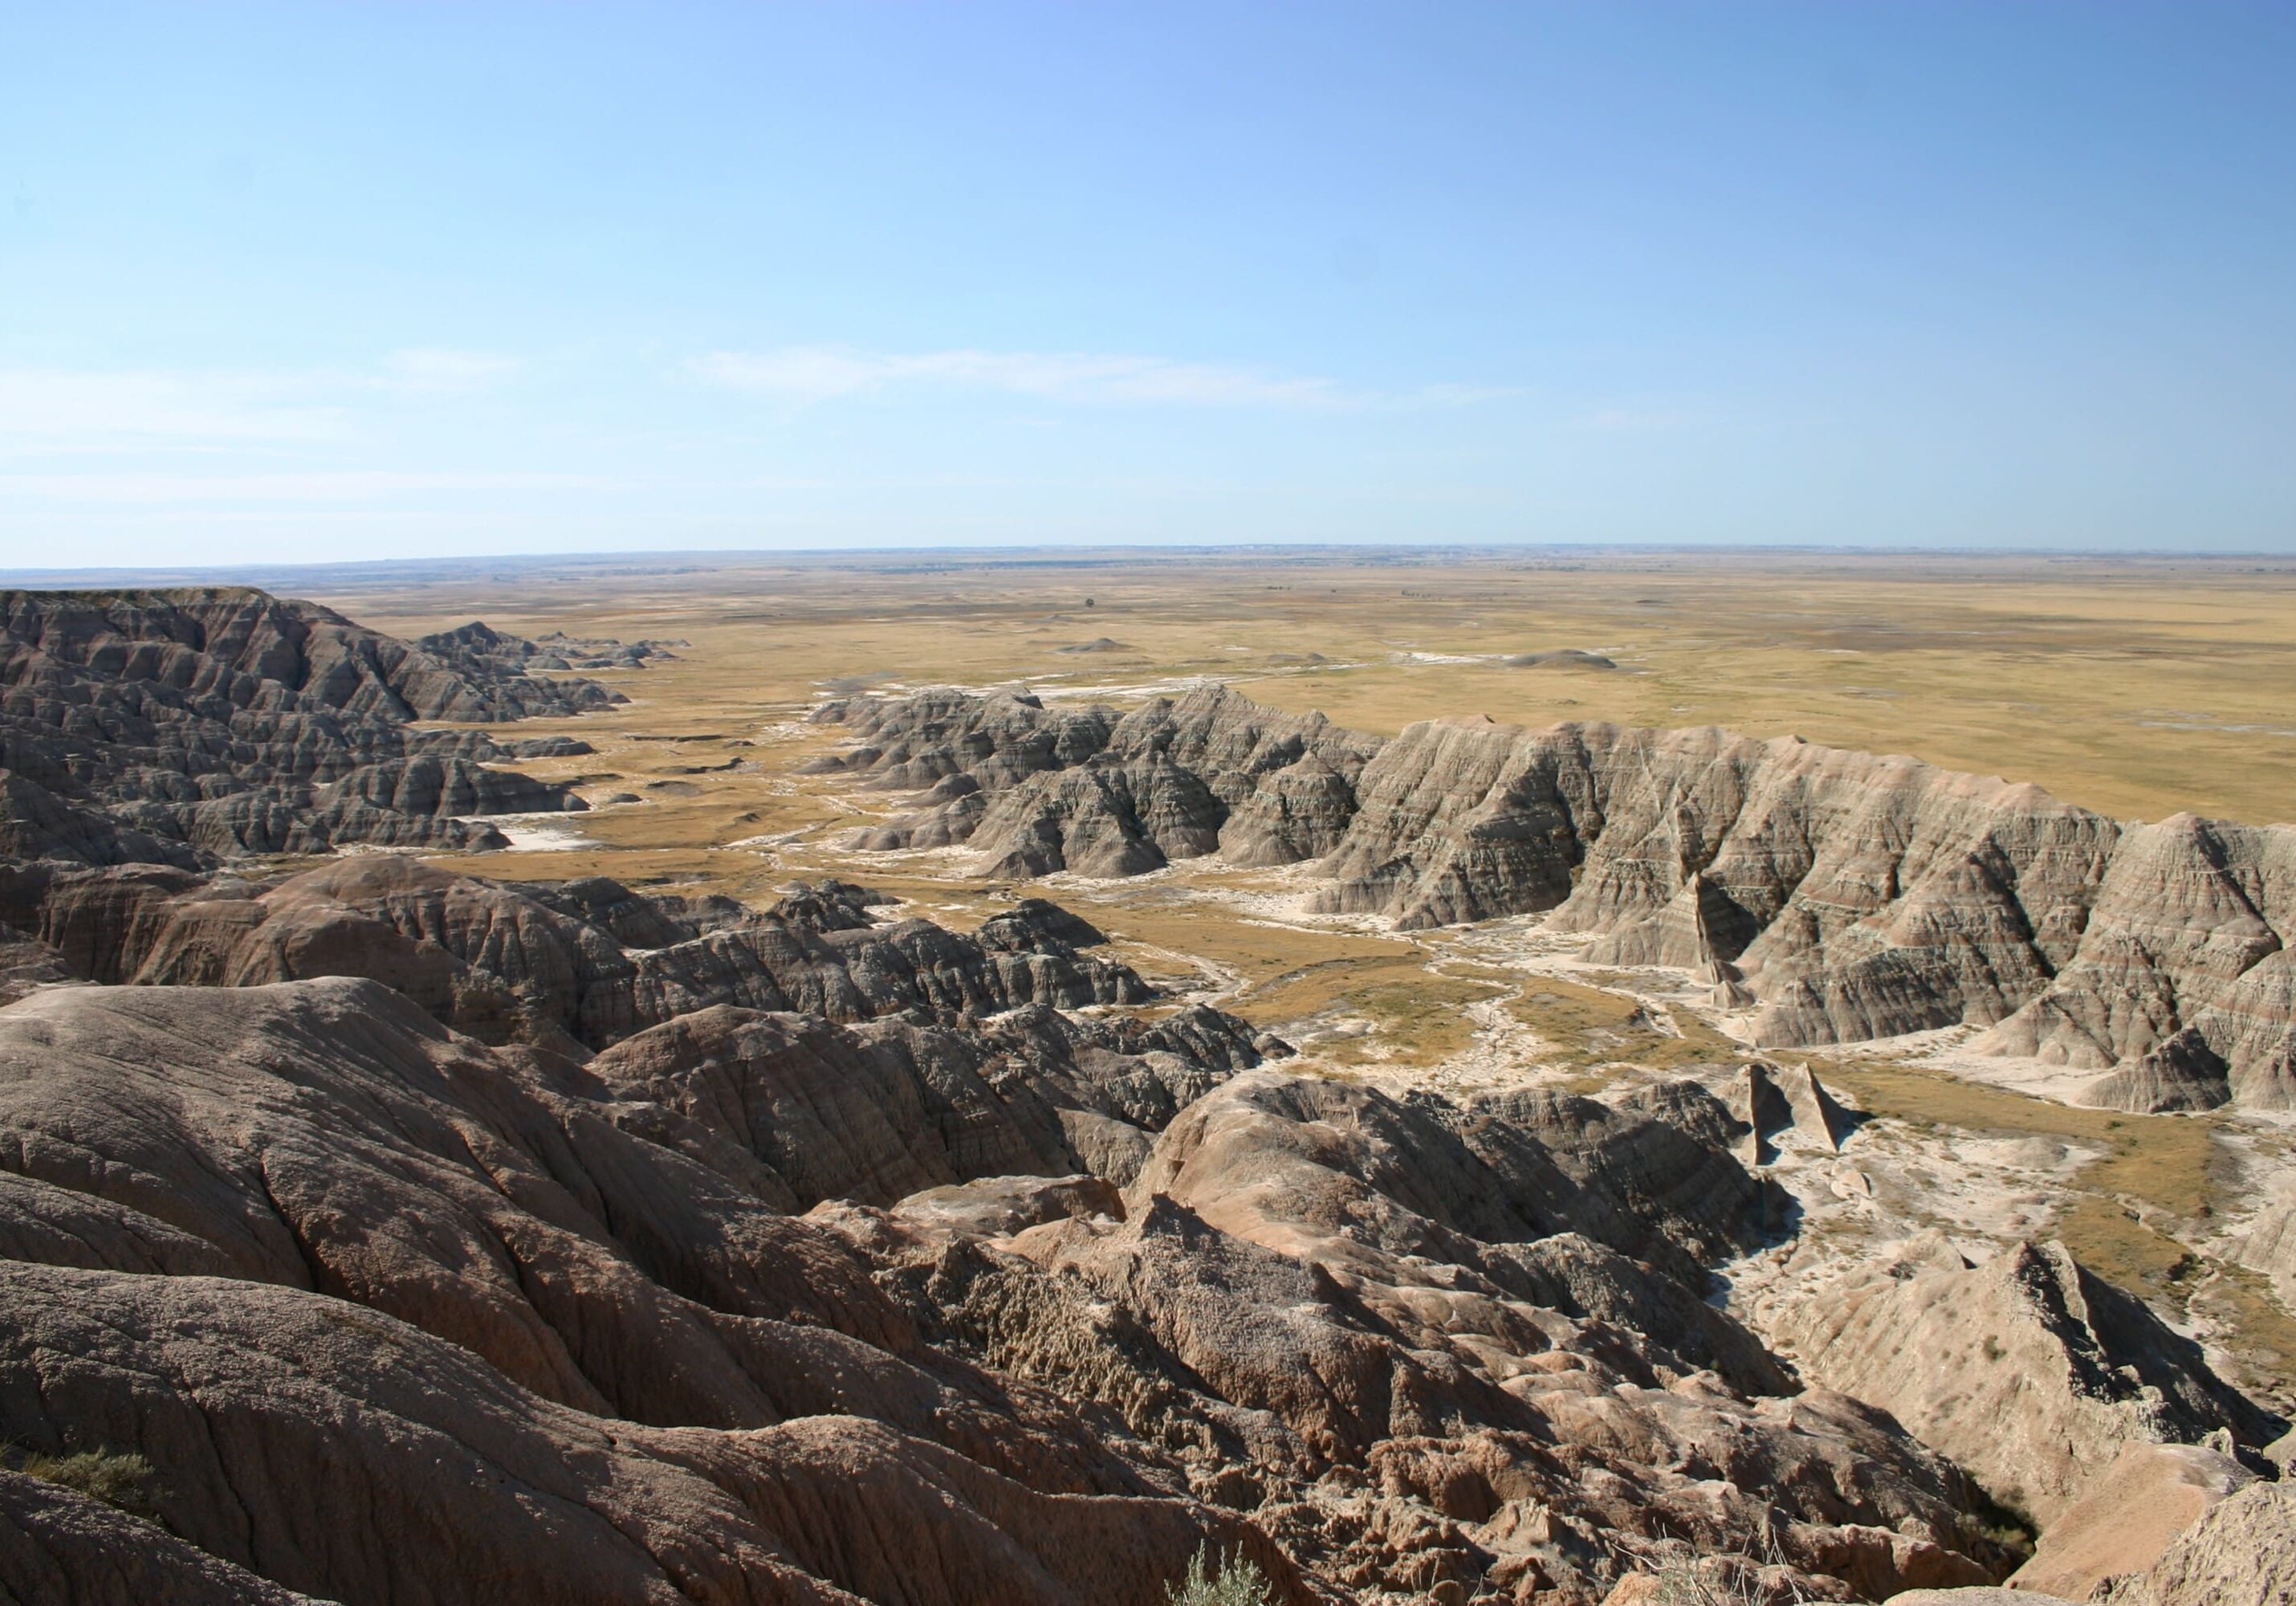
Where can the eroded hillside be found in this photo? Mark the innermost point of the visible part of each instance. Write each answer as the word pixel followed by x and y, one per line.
pixel 987 1144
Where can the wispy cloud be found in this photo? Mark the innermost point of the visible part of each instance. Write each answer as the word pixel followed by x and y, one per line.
pixel 334 486
pixel 825 373
pixel 443 368
pixel 50 411
pixel 63 409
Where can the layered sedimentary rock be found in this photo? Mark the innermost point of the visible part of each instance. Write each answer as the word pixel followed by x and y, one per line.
pixel 507 665
pixel 1849 896
pixel 577 966
pixel 1775 1107
pixel 2028 1370
pixel 876 1112
pixel 393 1314
pixel 2182 1073
pixel 390 1313
pixel 1438 1346
pixel 177 727
pixel 1039 790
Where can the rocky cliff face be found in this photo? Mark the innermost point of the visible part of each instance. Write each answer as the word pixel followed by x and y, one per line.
pixel 181 727
pixel 391 1314
pixel 1073 1294
pixel 1846 895
pixel 2028 1370
pixel 573 967
pixel 1039 790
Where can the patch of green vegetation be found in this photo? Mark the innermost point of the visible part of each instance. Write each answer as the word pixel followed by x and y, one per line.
pixel 119 1478
pixel 2255 1328
pixel 1588 1026
pixel 1417 1016
pixel 1228 1581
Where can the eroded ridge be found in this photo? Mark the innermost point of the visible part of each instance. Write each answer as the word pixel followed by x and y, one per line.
pixel 187 726
pixel 1847 895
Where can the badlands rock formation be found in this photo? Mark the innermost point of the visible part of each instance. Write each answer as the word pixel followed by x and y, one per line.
pixel 506 664
pixel 1848 895
pixel 574 967
pixel 393 1314
pixel 391 1234
pixel 2241 1552
pixel 2133 1512
pixel 2027 1370
pixel 183 726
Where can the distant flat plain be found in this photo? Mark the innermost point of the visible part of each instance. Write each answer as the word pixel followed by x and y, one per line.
pixel 2136 686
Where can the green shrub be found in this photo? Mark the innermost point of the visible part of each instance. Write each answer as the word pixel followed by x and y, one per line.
pixel 116 1479
pixel 1228 1581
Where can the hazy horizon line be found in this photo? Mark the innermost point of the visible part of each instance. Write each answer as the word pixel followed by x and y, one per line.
pixel 1058 552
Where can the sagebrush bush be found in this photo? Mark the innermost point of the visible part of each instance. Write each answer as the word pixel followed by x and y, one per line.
pixel 1227 1581
pixel 116 1477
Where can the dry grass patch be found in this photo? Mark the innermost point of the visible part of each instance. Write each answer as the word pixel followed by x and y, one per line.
pixel 1588 1026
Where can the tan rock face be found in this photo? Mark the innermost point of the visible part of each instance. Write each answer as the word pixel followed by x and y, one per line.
pixel 2241 1552
pixel 1850 895
pixel 2027 1370
pixel 171 727
pixel 2133 1510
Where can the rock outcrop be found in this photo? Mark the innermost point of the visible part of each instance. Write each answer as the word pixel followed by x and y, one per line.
pixel 2027 1370
pixel 873 1113
pixel 185 727
pixel 2241 1552
pixel 64 1548
pixel 1039 790
pixel 2133 1512
pixel 394 1314
pixel 1773 1107
pixel 2269 1244
pixel 1416 1339
pixel 576 967
pixel 2183 1073
pixel 1848 895
pixel 512 668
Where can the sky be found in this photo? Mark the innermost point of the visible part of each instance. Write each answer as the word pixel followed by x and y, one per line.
pixel 333 281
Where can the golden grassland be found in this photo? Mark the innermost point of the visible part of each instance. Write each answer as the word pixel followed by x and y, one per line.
pixel 2135 687
pixel 2139 687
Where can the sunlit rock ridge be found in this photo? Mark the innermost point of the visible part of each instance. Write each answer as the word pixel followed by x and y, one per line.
pixel 1850 895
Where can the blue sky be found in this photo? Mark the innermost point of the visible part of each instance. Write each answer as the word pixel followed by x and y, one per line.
pixel 337 282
